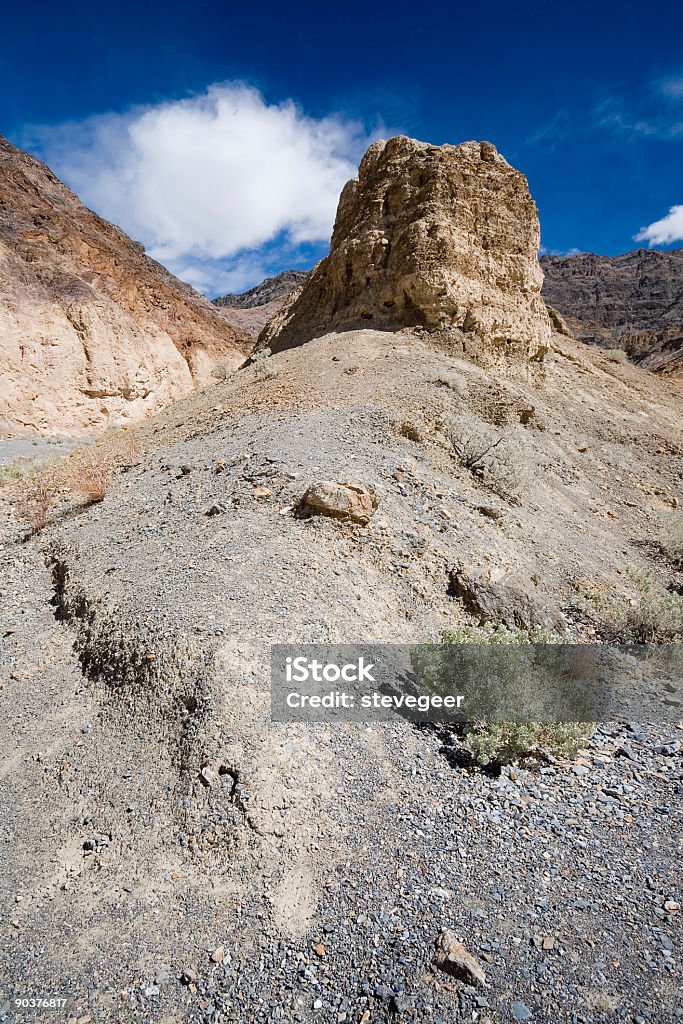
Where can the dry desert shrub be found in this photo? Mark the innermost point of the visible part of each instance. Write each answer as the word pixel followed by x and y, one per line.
pixel 499 743
pixel 616 355
pixel 651 615
pixel 409 429
pixel 89 480
pixel 501 459
pixel 263 367
pixel 672 535
pixel 222 370
pixel 34 502
pixel 22 467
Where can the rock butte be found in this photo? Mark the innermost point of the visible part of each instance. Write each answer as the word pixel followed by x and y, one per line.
pixel 443 238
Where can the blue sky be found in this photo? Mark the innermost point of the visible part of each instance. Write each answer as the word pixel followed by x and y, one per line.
pixel 219 134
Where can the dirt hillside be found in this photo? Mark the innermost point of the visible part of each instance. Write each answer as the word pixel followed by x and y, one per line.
pixel 171 854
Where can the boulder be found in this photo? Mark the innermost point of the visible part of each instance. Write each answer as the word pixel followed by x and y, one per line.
pixel 356 502
pixel 506 601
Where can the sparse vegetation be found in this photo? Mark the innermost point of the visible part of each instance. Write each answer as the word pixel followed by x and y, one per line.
pixel 490 634
pixel 22 467
pixel 409 429
pixel 40 492
pixel 223 369
pixel 11 473
pixel 263 368
pixel 90 480
pixel 650 614
pixel 505 742
pixel 498 743
pixel 500 458
pixel 265 371
pixel 616 355
pixel 34 502
pixel 672 535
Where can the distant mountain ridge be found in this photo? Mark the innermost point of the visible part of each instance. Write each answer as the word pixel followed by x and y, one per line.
pixel 633 302
pixel 277 287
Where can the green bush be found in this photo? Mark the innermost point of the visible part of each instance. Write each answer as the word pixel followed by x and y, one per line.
pixel 499 743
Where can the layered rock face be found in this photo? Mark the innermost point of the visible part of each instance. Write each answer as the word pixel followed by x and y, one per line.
pixel 250 311
pixel 269 290
pixel 92 331
pixel 443 238
pixel 633 302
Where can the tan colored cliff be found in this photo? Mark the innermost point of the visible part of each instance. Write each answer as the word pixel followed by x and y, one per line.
pixel 92 331
pixel 443 238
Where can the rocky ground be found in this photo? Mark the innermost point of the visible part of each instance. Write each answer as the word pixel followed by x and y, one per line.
pixel 170 854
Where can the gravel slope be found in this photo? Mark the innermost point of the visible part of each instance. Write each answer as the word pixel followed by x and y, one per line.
pixel 170 854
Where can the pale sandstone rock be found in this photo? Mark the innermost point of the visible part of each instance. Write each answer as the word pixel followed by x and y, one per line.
pixel 356 502
pixel 92 331
pixel 443 238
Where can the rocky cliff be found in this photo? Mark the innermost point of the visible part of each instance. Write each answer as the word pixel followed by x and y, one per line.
pixel 269 290
pixel 443 238
pixel 92 331
pixel 633 302
pixel 250 311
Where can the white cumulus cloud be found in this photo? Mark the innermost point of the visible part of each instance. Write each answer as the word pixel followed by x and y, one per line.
pixel 213 184
pixel 663 232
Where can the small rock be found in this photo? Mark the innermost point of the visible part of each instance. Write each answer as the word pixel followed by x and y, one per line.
pixel 490 512
pixel 520 1011
pixel 452 958
pixel 262 492
pixel 207 776
pixel 217 509
pixel 218 954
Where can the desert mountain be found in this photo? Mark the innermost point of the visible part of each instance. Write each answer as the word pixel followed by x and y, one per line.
pixel 250 311
pixel 633 302
pixel 92 331
pixel 171 853
pixel 443 238
pixel 270 289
